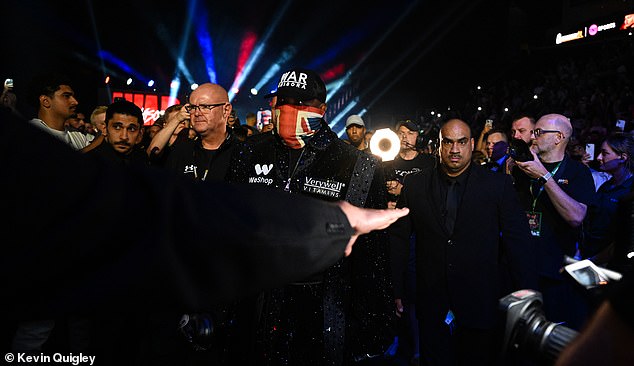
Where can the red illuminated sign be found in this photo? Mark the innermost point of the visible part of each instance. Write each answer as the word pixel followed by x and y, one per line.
pixel 153 105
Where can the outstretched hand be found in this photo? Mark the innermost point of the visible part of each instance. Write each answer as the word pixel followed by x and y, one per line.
pixel 364 220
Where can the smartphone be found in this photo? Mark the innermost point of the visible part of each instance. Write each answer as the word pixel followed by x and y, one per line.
pixel 587 274
pixel 488 123
pixel 590 150
pixel 620 124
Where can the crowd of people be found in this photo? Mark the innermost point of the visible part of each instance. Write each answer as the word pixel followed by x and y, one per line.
pixel 484 219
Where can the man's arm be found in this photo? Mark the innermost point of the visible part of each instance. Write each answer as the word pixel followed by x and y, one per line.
pixel 162 137
pixel 162 241
pixel 568 208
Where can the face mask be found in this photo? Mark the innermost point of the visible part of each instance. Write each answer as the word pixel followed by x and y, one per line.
pixel 297 124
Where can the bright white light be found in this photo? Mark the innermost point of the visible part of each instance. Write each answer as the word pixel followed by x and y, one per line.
pixel 479 108
pixel 254 91
pixel 129 81
pixel 194 86
pixel 479 87
pixel 175 84
pixel 535 96
pixel 438 115
pixel 448 108
pixel 630 255
pixel 385 143
pixel 506 109
pixel 235 90
pixel 150 83
pixel 432 113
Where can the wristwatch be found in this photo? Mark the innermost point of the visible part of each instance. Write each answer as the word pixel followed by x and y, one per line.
pixel 544 178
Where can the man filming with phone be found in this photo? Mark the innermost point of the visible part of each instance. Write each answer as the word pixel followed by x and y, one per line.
pixel 555 191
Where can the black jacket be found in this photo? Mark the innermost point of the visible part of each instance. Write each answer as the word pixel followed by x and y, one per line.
pixel 462 271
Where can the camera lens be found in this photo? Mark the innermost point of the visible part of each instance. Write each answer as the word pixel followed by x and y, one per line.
pixel 542 339
pixel 528 334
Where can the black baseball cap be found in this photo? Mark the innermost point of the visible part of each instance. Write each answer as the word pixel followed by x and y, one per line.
pixel 301 84
pixel 409 124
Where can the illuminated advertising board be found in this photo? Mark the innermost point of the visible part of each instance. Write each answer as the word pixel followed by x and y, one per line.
pixel 153 105
pixel 622 22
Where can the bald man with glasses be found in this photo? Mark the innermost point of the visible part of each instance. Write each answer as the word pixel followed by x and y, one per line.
pixel 206 158
pixel 555 191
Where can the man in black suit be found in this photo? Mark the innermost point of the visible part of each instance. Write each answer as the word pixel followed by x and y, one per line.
pixel 469 227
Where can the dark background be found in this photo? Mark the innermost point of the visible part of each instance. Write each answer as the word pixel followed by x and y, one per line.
pixel 404 57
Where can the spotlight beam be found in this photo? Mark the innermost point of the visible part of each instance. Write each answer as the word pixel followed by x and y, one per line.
pixel 93 23
pixel 405 55
pixel 259 49
pixel 191 9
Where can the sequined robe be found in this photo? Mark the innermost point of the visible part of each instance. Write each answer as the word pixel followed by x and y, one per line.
pixel 345 312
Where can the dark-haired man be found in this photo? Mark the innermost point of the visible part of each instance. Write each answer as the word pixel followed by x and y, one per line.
pixel 55 101
pixel 344 312
pixel 124 127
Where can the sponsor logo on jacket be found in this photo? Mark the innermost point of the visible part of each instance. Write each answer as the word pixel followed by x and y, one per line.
pixel 328 188
pixel 261 171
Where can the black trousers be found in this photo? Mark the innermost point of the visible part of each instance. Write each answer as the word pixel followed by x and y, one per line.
pixel 441 346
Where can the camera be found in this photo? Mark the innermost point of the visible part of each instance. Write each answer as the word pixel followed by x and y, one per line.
pixel 519 150
pixel 527 334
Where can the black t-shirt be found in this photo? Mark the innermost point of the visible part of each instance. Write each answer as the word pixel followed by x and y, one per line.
pixel 189 158
pixel 404 167
pixel 556 237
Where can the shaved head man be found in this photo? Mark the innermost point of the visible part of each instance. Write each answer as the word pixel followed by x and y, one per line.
pixel 467 223
pixel 456 147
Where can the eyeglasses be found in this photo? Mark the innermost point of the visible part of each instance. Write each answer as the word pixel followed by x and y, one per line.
pixel 538 132
pixel 202 107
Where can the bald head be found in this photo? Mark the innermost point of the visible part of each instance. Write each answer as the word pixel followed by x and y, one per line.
pixel 557 122
pixel 456 124
pixel 552 134
pixel 213 92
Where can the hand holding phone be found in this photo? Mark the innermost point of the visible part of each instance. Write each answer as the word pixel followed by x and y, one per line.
pixel 590 150
pixel 587 273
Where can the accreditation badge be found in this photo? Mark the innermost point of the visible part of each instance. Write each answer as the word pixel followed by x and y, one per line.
pixel 534 222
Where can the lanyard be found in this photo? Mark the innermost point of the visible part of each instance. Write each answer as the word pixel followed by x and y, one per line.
pixel 535 197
